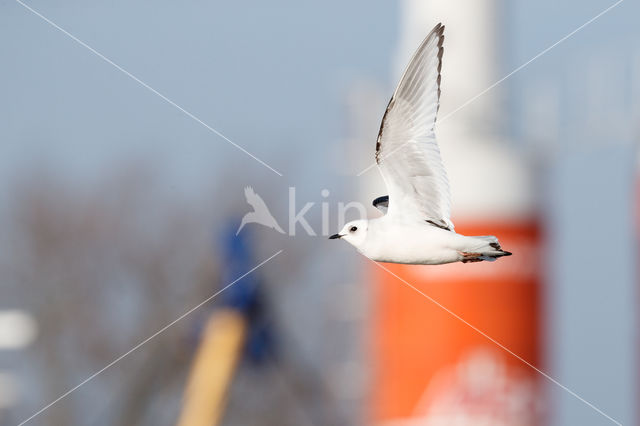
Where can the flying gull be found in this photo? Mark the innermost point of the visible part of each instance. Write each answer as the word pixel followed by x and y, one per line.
pixel 416 227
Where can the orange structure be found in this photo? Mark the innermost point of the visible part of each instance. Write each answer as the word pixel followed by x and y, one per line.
pixel 430 363
pixel 446 352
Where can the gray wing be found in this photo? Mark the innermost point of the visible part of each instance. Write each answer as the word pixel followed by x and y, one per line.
pixel 407 152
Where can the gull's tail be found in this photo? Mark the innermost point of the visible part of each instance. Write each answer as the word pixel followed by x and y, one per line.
pixel 488 248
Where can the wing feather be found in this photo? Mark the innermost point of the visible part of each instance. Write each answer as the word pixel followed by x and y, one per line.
pixel 407 152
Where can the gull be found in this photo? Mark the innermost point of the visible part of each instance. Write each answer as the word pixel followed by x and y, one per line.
pixel 260 213
pixel 416 227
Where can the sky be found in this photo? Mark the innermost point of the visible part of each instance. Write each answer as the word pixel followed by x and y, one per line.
pixel 271 77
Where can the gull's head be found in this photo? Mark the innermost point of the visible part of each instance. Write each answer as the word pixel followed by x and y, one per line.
pixel 354 233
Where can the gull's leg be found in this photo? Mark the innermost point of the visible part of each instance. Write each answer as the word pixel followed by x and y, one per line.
pixel 470 257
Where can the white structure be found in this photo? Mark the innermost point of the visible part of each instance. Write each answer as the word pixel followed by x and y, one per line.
pixel 469 121
pixel 17 329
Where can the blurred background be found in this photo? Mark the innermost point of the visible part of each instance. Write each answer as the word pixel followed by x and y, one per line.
pixel 119 215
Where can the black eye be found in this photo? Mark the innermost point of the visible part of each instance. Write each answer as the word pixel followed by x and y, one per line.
pixel 353 229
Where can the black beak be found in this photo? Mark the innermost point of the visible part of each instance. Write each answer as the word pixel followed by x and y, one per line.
pixel 334 236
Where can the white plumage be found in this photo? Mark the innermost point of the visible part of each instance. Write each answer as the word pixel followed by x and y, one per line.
pixel 417 227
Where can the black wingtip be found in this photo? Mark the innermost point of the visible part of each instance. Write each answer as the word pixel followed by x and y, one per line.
pixel 381 200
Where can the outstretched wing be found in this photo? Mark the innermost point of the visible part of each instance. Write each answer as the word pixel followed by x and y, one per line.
pixel 407 152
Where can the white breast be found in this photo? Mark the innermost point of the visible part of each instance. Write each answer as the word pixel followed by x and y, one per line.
pixel 416 243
